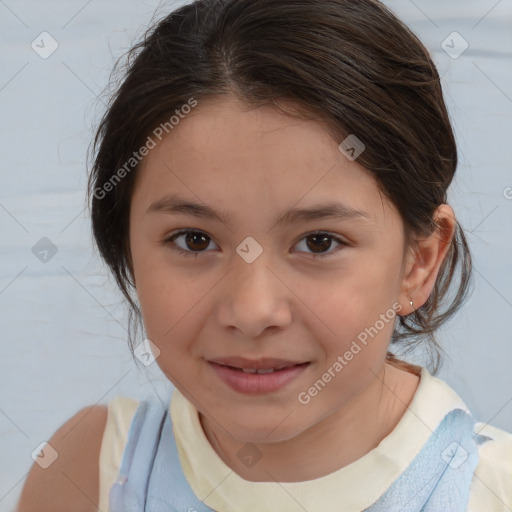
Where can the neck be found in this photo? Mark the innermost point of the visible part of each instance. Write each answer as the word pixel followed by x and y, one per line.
pixel 332 444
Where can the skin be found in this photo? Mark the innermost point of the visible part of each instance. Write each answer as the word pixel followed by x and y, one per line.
pixel 71 482
pixel 255 164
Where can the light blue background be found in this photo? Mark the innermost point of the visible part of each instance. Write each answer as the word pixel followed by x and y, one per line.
pixel 63 323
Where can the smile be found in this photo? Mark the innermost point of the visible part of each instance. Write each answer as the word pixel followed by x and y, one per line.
pixel 256 377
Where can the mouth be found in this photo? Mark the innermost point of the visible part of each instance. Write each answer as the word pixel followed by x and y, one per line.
pixel 263 371
pixel 257 376
pixel 260 371
pixel 263 365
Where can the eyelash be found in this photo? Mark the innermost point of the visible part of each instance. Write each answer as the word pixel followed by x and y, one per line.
pixel 169 241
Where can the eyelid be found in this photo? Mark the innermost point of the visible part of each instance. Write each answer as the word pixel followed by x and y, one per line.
pixel 169 241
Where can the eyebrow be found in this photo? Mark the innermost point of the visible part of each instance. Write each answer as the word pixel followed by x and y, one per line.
pixel 174 204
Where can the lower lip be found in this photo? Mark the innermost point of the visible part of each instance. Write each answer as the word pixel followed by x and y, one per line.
pixel 257 383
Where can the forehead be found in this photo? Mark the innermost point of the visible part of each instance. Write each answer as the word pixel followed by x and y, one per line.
pixel 225 152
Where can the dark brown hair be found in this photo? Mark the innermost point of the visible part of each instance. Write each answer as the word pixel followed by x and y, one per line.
pixel 351 63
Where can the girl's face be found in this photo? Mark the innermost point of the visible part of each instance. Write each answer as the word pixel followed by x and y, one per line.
pixel 255 287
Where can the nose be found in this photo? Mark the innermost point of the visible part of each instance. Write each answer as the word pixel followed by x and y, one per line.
pixel 254 298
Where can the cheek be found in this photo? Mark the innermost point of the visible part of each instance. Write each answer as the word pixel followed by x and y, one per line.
pixel 352 300
pixel 171 303
pixel 161 295
pixel 167 308
pixel 353 315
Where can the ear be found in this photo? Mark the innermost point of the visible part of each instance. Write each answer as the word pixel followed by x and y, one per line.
pixel 424 260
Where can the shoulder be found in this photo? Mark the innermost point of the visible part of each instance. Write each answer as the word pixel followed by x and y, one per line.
pixel 491 487
pixel 71 480
pixel 492 481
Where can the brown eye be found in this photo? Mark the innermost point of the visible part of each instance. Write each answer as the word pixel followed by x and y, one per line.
pixel 196 242
pixel 320 242
pixel 193 243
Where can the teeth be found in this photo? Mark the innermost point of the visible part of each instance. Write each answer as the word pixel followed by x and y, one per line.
pixel 253 370
pixel 260 371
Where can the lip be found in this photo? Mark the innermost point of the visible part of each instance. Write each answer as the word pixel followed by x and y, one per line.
pixel 229 370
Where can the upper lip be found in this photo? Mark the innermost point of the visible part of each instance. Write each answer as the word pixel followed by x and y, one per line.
pixel 255 364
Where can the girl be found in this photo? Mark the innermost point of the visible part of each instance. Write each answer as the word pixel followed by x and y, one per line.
pixel 269 190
